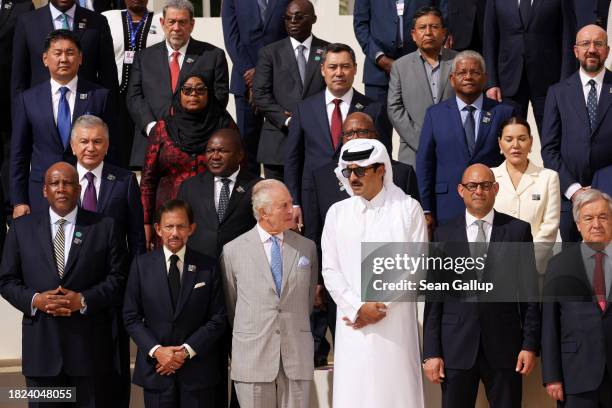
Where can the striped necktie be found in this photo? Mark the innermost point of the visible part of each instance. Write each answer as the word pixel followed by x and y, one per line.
pixel 58 246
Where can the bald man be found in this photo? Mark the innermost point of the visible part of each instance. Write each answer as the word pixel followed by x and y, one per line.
pixel 64 268
pixel 578 122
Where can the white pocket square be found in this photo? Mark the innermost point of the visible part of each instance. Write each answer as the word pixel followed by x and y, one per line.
pixel 303 261
pixel 199 285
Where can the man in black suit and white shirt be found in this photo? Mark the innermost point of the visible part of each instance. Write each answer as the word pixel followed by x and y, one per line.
pixel 157 71
pixel 287 72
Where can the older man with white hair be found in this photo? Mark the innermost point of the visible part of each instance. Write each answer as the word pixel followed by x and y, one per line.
pixel 376 357
pixel 270 279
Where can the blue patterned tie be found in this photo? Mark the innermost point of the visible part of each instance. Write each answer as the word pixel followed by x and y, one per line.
pixel 470 128
pixel 276 264
pixel 263 6
pixel 592 104
pixel 64 18
pixel 63 117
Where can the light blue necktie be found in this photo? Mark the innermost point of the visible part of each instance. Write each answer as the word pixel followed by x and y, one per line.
pixel 65 25
pixel 276 264
pixel 83 3
pixel 63 117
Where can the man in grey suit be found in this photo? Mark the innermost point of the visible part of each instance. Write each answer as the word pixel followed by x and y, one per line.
pixel 270 279
pixel 419 80
pixel 287 72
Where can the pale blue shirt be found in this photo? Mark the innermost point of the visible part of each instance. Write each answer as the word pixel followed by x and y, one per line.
pixel 477 114
pixel 56 16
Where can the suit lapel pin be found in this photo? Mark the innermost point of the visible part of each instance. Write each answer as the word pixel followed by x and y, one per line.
pixel 191 268
pixel 240 189
pixel 189 60
pixel 9 5
pixel 358 106
pixel 111 177
pixel 319 54
pixel 82 25
pixel 535 197
pixel 486 118
pixel 82 96
pixel 77 238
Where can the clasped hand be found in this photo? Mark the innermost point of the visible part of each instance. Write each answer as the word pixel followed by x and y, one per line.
pixel 60 302
pixel 169 359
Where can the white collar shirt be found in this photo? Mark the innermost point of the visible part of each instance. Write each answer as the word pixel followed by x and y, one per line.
pixel 181 51
pixel 70 95
pixel 97 172
pixel 477 113
pixel 267 242
pixel 56 16
pixel 344 105
pixel 586 88
pixel 219 185
pixel 588 257
pixel 471 228
pixel 180 262
pixel 68 228
pixel 307 44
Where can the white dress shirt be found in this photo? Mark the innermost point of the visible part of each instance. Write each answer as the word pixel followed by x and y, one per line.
pixel 179 265
pixel 219 186
pixel 267 242
pixel 344 106
pixel 588 257
pixel 97 172
pixel 56 16
pixel 471 228
pixel 307 44
pixel 70 95
pixel 477 113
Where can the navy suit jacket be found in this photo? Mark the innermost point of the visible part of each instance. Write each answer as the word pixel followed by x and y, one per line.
pixel 89 27
pixel 119 198
pixel 510 47
pixel 568 145
pixel 198 320
pixel 79 345
pixel 602 180
pixel 443 153
pixel 245 34
pixel 591 12
pixel 36 143
pixel 210 234
pixel 576 334
pixel 455 330
pixel 375 23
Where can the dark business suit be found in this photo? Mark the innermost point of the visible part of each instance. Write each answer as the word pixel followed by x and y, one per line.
pixel 199 320
pixel 576 334
pixel 483 339
pixel 602 180
pixel 96 42
pixel 443 153
pixel 244 34
pixel 465 22
pixel 376 27
pixel 36 142
pixel 591 12
pixel 210 235
pixel 80 345
pixel 309 145
pixel 150 91
pixel 569 146
pixel 277 89
pixel 514 50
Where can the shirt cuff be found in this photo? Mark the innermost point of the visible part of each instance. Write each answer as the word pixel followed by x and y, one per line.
pixel 287 121
pixel 378 55
pixel 32 305
pixel 571 190
pixel 296 206
pixel 149 127
pixel 152 351
pixel 191 351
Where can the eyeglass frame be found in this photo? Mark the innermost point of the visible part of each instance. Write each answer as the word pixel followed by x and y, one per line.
pixel 359 171
pixel 484 186
pixel 194 89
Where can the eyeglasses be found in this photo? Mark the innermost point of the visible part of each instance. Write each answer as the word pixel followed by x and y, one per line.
pixel 295 17
pixel 198 90
pixel 361 133
pixel 359 171
pixel 587 44
pixel 485 186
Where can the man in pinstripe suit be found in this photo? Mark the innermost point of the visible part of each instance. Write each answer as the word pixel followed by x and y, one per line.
pixel 270 279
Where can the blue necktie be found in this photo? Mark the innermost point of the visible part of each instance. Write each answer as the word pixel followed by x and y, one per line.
pixel 276 264
pixel 64 18
pixel 83 3
pixel 470 128
pixel 63 117
pixel 592 104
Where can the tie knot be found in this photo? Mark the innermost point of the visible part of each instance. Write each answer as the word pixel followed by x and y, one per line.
pixel 175 54
pixel 274 239
pixel 301 48
pixel 599 256
pixel 469 108
pixel 479 223
pixel 174 259
pixel 63 90
pixel 337 102
pixel 592 83
pixel 225 181
pixel 89 176
pixel 61 222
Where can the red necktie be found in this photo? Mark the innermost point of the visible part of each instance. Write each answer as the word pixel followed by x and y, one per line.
pixel 599 281
pixel 336 123
pixel 174 70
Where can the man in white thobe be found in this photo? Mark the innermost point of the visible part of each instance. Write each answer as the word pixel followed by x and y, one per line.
pixel 376 354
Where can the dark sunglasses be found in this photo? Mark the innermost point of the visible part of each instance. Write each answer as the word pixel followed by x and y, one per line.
pixel 485 186
pixel 360 133
pixel 295 17
pixel 359 171
pixel 198 90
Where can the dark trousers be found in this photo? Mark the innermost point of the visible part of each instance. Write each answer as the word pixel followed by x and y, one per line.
pixel 599 398
pixel 520 101
pixel 176 396
pixel 274 171
pixel 503 386
pixel 377 93
pixel 249 124
pixel 318 325
pixel 121 381
pixel 91 392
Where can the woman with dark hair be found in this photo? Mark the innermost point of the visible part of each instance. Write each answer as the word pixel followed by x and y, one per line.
pixel 526 191
pixel 177 145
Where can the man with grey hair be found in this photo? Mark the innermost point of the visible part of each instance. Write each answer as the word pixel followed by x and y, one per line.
pixel 456 133
pixel 153 84
pixel 576 325
pixel 112 192
pixel 270 278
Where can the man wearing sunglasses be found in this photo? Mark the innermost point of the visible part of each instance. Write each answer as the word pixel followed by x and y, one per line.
pixel 378 211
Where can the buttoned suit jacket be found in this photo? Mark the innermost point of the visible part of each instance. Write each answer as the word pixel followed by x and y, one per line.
pixel 268 329
pixel 79 345
pixel 199 319
pixel 277 88
pixel 36 143
pixel 410 95
pixel 210 234
pixel 150 90
pixel 89 27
